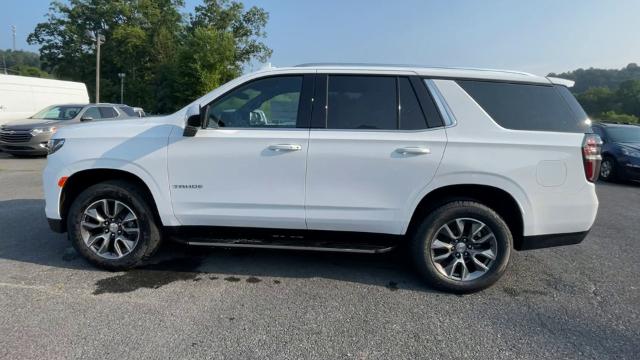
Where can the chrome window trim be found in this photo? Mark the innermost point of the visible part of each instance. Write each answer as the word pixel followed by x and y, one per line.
pixel 447 115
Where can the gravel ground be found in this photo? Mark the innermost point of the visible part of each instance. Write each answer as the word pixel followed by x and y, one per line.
pixel 577 302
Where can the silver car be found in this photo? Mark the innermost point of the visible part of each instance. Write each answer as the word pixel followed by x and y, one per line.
pixel 30 136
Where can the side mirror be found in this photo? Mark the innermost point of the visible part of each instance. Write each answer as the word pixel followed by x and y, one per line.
pixel 194 121
pixel 86 118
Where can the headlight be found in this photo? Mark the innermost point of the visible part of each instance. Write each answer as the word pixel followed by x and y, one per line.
pixel 54 145
pixel 37 131
pixel 631 152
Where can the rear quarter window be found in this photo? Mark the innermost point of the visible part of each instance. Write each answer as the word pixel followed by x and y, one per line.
pixel 528 107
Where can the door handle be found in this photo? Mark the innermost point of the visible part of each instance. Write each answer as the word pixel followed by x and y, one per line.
pixel 285 147
pixel 414 151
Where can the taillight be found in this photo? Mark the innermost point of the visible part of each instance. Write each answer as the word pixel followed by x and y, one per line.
pixel 591 156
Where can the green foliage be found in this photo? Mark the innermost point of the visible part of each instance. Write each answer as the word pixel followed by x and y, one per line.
pixel 22 63
pixel 169 58
pixel 609 78
pixel 612 95
pixel 612 116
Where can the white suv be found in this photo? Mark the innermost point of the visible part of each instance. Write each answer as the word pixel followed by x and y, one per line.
pixel 459 165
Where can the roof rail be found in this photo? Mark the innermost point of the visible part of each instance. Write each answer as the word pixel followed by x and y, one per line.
pixel 410 66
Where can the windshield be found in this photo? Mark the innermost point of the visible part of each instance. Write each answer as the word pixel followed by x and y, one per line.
pixel 624 134
pixel 58 113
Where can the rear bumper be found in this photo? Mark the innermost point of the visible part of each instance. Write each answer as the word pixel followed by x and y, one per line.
pixel 551 240
pixel 57 225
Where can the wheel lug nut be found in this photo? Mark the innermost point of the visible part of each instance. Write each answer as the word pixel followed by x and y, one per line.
pixel 458 255
pixel 466 253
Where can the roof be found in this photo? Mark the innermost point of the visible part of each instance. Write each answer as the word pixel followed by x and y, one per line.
pixel 614 124
pixel 28 80
pixel 434 71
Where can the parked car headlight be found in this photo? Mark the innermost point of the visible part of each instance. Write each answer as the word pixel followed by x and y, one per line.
pixel 54 145
pixel 37 131
pixel 631 152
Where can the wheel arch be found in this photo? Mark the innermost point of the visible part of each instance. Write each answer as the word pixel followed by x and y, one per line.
pixel 81 180
pixel 497 199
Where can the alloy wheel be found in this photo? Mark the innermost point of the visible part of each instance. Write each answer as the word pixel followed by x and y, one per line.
pixel 110 228
pixel 464 249
pixel 605 169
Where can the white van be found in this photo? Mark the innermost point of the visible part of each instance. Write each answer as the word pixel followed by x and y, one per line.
pixel 21 96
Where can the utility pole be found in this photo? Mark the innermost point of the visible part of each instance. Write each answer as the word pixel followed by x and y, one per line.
pixel 13 31
pixel 99 39
pixel 121 76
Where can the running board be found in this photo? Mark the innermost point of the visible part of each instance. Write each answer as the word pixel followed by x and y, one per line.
pixel 295 245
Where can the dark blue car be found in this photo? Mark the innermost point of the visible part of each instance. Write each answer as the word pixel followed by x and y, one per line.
pixel 620 151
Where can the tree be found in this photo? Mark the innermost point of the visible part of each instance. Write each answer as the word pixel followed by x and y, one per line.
pixel 597 100
pixel 629 96
pixel 619 118
pixel 170 59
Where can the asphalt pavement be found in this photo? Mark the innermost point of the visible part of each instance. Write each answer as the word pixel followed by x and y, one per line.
pixel 576 302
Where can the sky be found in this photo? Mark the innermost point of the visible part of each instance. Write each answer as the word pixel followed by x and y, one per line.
pixel 538 36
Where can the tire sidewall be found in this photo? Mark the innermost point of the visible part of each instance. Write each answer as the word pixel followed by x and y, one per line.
pixel 129 198
pixel 426 234
pixel 612 172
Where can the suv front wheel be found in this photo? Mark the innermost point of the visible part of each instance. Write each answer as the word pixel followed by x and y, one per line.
pixel 112 225
pixel 462 247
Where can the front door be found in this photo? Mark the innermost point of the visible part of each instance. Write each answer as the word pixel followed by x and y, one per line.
pixel 247 166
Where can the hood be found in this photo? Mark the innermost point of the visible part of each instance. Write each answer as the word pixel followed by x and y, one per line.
pixel 124 128
pixel 28 124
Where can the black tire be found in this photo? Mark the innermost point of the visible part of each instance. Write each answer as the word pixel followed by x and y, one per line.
pixel 611 175
pixel 420 245
pixel 132 196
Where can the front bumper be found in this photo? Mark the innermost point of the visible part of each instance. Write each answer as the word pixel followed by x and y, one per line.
pixel 551 240
pixel 24 143
pixel 629 168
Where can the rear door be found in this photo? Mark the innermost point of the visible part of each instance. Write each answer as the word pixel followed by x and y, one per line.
pixel 376 141
pixel 247 166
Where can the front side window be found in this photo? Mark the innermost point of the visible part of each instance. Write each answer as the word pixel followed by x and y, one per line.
pixel 58 113
pixel 362 102
pixel 264 103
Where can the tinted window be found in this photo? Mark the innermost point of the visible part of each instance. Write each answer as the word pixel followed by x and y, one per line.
pixel 598 131
pixel 527 107
pixel 129 111
pixel 362 102
pixel 624 134
pixel 411 115
pixel 270 102
pixel 108 112
pixel 92 112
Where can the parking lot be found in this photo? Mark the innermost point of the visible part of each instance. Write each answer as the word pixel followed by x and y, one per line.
pixel 573 302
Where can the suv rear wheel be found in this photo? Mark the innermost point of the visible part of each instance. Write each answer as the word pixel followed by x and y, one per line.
pixel 462 247
pixel 112 225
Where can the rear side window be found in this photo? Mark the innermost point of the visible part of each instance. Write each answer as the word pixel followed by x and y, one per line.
pixel 528 107
pixel 362 102
pixel 411 115
pixel 129 111
pixel 108 112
